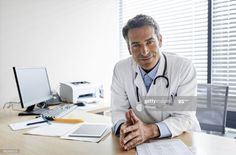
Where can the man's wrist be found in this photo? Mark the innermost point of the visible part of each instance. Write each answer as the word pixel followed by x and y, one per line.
pixel 154 130
pixel 119 128
pixel 116 127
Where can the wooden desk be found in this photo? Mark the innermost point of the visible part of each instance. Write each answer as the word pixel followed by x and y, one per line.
pixel 200 143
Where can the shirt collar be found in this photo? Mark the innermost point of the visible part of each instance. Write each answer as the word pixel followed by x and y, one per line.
pixel 151 74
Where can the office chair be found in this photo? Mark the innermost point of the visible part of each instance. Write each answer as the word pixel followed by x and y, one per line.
pixel 212 107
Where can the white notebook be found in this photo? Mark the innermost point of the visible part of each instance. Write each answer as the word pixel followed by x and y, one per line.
pixel 89 130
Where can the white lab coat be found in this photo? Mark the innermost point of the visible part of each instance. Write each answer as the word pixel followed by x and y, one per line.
pixel 182 80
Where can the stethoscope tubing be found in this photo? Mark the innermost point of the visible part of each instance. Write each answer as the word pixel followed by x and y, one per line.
pixel 154 81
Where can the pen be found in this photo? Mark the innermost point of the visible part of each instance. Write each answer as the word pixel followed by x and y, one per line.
pixel 64 120
pixel 67 120
pixel 37 122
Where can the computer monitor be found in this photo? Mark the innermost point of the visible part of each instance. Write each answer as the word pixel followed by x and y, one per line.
pixel 33 87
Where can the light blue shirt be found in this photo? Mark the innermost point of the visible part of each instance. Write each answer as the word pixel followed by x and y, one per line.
pixel 148 79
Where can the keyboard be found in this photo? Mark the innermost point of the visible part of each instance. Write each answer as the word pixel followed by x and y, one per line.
pixel 59 111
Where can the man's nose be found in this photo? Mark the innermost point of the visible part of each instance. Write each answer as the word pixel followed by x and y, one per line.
pixel 145 50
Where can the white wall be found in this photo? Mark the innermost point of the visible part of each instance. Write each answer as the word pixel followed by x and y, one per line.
pixel 74 39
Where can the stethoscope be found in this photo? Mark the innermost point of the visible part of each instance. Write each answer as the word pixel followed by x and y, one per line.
pixel 154 81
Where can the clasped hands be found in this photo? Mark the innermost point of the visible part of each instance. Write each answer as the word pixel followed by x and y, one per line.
pixel 134 131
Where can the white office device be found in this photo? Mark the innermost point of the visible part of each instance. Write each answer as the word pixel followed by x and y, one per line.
pixel 81 91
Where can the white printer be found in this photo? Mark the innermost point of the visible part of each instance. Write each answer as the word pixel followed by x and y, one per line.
pixel 81 91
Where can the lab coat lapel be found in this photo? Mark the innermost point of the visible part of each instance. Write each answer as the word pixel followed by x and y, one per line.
pixel 142 92
pixel 138 81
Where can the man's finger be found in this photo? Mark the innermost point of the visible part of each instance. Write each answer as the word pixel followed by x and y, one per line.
pixel 122 143
pixel 130 128
pixel 123 127
pixel 122 134
pixel 128 117
pixel 133 143
pixel 130 136
pixel 133 117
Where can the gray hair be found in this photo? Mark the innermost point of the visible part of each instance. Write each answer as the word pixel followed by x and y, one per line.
pixel 139 21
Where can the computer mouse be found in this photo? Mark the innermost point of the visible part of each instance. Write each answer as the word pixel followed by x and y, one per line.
pixel 80 104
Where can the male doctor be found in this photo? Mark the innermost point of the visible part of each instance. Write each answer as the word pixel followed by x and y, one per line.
pixel 149 72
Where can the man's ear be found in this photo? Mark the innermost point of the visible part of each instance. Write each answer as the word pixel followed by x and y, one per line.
pixel 160 41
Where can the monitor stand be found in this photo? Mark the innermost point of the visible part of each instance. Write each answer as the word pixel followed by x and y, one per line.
pixel 32 111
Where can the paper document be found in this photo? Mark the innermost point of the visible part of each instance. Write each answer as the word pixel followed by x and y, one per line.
pixel 89 138
pixel 163 147
pixel 55 129
pixel 23 125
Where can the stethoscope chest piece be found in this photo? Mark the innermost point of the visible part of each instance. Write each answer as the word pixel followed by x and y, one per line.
pixel 139 107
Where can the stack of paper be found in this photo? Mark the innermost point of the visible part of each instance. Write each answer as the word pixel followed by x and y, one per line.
pixel 88 132
pixel 164 147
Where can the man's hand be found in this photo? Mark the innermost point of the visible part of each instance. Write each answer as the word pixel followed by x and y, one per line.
pixel 134 131
pixel 128 122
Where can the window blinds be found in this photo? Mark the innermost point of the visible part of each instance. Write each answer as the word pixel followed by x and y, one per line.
pixel 183 25
pixel 224 46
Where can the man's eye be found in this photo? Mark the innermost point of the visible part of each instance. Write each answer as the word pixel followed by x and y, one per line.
pixel 150 42
pixel 135 46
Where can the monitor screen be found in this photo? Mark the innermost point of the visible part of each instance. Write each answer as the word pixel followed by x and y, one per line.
pixel 33 85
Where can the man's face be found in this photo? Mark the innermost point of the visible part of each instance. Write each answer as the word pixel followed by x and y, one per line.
pixel 144 46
